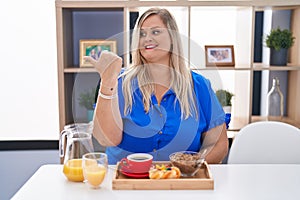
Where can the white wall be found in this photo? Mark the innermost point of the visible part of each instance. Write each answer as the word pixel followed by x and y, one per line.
pixel 28 77
pixel 28 88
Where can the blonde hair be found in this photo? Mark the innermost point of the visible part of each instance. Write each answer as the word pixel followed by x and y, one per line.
pixel 181 79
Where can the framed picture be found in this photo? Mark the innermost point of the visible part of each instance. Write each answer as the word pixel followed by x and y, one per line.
pixel 94 48
pixel 219 55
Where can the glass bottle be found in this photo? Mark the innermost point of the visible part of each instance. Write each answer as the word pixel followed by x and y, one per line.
pixel 275 101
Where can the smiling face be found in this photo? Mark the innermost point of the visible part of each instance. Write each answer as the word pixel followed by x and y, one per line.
pixel 155 41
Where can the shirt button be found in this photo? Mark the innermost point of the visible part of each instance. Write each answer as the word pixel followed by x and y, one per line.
pixel 160 132
pixel 164 99
pixel 160 115
pixel 154 150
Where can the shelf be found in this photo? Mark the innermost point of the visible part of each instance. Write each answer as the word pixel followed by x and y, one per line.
pixel 256 67
pixel 80 70
pixel 284 119
pixel 137 3
pixel 236 123
pixel 289 67
pixel 223 68
pixel 231 134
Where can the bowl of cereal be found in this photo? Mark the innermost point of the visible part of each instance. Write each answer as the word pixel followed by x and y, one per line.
pixel 189 162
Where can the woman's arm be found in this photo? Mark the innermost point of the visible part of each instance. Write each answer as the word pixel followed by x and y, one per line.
pixel 107 121
pixel 108 124
pixel 216 142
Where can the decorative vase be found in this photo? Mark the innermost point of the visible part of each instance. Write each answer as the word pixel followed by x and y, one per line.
pixel 278 58
pixel 90 115
pixel 227 110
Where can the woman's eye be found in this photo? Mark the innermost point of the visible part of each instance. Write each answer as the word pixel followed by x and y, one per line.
pixel 156 32
pixel 142 34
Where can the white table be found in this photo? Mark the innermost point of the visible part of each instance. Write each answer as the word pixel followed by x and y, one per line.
pixel 240 182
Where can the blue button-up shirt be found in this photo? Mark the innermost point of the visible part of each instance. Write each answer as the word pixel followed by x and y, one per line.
pixel 163 130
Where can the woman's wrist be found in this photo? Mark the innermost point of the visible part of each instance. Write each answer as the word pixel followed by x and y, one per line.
pixel 107 97
pixel 108 88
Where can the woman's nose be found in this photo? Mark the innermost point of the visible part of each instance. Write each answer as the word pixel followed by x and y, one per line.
pixel 148 37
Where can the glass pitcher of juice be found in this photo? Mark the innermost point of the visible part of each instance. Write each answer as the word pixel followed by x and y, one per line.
pixel 75 141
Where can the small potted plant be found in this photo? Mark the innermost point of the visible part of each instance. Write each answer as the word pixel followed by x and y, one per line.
pixel 279 41
pixel 87 100
pixel 224 98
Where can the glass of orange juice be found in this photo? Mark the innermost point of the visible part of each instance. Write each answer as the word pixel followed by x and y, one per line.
pixel 73 170
pixel 94 166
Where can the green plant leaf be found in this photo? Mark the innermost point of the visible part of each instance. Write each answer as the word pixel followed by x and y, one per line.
pixel 280 39
pixel 86 99
pixel 224 97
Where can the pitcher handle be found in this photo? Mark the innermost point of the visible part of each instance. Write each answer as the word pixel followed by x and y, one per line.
pixel 62 139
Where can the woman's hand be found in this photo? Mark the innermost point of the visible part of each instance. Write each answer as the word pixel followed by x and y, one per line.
pixel 108 65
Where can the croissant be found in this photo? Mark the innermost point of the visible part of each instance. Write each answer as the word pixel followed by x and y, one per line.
pixel 164 172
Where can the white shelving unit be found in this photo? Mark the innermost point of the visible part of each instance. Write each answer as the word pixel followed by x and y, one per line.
pixel 197 31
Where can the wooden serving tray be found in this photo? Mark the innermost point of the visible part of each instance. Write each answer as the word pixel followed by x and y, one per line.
pixel 201 181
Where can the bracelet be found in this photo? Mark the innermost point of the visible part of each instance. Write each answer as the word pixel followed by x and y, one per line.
pixel 107 97
pixel 110 88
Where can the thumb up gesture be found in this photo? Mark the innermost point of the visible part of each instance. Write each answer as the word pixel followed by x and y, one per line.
pixel 108 65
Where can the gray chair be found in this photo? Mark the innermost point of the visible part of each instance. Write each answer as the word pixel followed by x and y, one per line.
pixel 267 142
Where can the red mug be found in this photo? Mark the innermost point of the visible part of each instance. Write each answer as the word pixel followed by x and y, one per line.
pixel 136 163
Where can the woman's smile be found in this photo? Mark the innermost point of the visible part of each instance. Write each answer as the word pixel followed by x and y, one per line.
pixel 150 46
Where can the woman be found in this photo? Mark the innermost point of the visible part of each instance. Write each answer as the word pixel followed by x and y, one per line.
pixel 157 105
